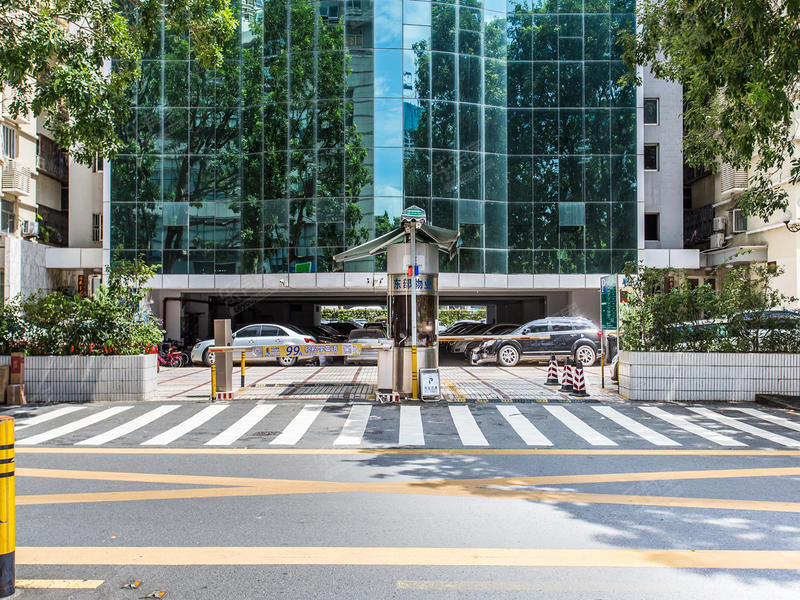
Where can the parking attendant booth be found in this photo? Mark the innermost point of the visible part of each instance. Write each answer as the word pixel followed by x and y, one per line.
pixel 412 266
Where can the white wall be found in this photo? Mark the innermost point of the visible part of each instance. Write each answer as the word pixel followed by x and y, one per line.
pixel 25 270
pixel 85 198
pixel 663 189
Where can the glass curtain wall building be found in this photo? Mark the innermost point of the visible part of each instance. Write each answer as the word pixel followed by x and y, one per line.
pixel 504 120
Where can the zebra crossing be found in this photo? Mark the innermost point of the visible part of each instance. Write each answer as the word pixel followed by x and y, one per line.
pixel 363 425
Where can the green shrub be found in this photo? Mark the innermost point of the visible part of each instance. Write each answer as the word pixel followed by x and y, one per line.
pixel 662 317
pixel 113 321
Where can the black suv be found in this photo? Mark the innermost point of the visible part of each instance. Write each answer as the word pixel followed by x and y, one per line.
pixel 575 337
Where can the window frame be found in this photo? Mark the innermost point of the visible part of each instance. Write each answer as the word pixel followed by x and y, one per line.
pixel 658 227
pixel 10 136
pixel 658 111
pixel 658 157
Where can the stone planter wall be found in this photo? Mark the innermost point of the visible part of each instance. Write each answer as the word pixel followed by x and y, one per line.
pixel 50 379
pixel 711 376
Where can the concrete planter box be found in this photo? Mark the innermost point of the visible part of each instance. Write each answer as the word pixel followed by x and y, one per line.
pixel 707 376
pixel 50 379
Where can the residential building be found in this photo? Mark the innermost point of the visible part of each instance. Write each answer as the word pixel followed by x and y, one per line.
pixel 504 120
pixel 43 244
pixel 726 237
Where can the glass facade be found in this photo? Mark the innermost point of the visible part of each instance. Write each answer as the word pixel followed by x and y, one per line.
pixel 504 120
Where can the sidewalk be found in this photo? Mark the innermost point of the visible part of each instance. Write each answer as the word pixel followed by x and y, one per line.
pixel 357 384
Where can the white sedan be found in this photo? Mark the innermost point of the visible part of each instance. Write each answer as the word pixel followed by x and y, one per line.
pixel 267 334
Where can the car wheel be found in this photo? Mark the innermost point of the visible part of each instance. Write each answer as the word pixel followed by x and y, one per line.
pixel 507 356
pixel 287 361
pixel 586 355
pixel 208 358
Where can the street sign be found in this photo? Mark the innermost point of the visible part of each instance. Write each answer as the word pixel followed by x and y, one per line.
pixel 304 267
pixel 290 350
pixel 310 350
pixel 608 302
pixel 413 213
pixel 429 383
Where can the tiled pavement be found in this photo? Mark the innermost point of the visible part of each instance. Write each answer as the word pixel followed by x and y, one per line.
pixel 358 383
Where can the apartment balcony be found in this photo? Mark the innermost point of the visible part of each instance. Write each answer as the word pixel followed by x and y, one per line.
pixel 731 181
pixel 52 161
pixel 16 180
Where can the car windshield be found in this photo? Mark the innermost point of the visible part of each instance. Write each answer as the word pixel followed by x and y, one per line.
pixel 366 334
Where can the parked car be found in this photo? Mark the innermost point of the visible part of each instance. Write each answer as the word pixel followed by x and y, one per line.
pixel 449 329
pixel 325 334
pixel 497 329
pixel 365 336
pixel 343 327
pixel 266 334
pixel 467 329
pixel 575 337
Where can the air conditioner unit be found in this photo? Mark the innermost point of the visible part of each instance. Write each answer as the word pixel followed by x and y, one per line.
pixel 30 228
pixel 738 221
pixel 717 240
pixel 719 224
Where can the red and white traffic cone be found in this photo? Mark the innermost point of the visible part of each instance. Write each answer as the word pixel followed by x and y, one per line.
pixel 566 377
pixel 580 383
pixel 552 371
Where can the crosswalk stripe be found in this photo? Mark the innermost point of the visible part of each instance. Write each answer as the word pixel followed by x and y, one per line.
pixel 355 426
pixel 297 428
pixel 128 427
pixel 74 426
pixel 595 438
pixel 411 433
pixel 242 426
pixel 467 427
pixel 48 416
pixel 190 424
pixel 684 423
pixel 736 424
pixel 635 427
pixel 524 428
pixel 771 418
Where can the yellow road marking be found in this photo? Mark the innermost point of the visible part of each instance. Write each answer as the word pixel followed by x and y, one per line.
pixel 539 585
pixel 410 451
pixel 486 488
pixel 459 397
pixel 399 556
pixel 58 584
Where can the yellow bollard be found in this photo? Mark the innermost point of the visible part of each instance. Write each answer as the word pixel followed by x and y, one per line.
pixel 242 369
pixel 213 381
pixel 414 372
pixel 7 521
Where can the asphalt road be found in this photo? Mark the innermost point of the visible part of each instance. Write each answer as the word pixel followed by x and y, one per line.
pixel 579 518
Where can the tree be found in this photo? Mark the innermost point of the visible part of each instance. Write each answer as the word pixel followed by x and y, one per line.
pixel 54 53
pixel 740 69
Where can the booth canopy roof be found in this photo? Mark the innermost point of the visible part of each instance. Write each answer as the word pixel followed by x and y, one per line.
pixel 446 240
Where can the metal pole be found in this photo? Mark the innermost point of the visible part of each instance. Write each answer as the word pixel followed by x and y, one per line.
pixel 7 519
pixel 242 369
pixel 214 380
pixel 413 310
pixel 603 361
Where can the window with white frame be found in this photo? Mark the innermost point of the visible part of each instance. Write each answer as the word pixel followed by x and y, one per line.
pixel 651 157
pixel 9 147
pixel 651 112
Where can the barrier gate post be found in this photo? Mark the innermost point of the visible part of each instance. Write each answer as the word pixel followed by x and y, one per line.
pixel 7 520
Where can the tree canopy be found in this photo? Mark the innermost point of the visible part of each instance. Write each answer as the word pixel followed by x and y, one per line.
pixel 739 65
pixel 54 59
